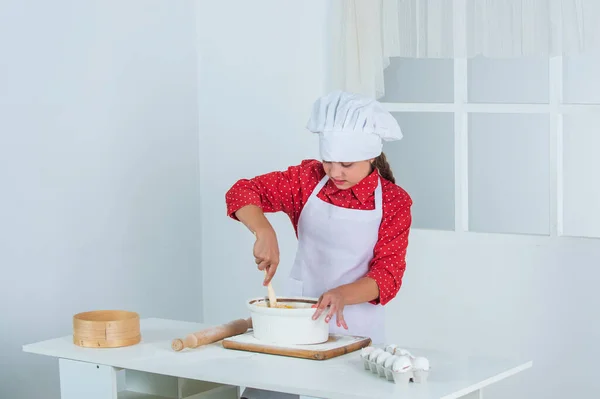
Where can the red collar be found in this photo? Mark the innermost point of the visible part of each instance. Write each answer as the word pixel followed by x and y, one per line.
pixel 362 190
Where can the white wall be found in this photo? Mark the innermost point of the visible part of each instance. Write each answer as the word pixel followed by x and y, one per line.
pixel 521 296
pixel 99 196
pixel 261 66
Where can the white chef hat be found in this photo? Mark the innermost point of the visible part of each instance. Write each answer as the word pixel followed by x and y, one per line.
pixel 351 127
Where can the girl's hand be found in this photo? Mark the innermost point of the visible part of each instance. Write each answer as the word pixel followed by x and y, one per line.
pixel 266 252
pixel 336 302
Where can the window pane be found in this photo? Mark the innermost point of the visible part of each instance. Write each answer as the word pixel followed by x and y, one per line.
pixel 419 81
pixel 509 173
pixel 519 80
pixel 423 164
pixel 581 83
pixel 581 170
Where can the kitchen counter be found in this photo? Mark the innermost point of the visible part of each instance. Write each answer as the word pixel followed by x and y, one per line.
pixel 152 370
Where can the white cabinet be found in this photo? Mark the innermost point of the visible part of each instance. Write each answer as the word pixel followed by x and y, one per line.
pixel 95 381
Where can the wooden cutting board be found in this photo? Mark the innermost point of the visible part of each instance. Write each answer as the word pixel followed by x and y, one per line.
pixel 337 345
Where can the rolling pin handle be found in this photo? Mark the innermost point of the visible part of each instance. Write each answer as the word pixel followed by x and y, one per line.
pixel 177 344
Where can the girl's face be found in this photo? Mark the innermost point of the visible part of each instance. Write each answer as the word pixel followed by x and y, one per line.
pixel 346 174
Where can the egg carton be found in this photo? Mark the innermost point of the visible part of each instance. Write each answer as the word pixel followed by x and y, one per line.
pixel 395 364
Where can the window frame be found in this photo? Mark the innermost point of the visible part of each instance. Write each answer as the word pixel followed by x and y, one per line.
pixel 461 108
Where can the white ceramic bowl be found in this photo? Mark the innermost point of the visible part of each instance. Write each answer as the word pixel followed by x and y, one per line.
pixel 288 326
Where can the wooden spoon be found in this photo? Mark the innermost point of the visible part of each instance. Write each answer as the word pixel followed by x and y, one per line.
pixel 270 290
pixel 271 293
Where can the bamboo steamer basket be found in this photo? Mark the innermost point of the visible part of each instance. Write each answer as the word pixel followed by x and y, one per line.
pixel 106 329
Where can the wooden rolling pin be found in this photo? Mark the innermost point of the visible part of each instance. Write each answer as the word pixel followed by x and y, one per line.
pixel 212 334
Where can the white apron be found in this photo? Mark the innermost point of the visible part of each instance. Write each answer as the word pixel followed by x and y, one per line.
pixel 335 246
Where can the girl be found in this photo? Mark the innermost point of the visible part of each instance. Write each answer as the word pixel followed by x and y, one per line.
pixel 351 220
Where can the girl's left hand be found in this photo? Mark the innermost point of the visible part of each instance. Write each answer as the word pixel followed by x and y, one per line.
pixel 335 300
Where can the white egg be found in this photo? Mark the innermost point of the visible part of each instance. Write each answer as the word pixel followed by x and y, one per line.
pixel 402 364
pixel 391 348
pixel 389 361
pixel 365 352
pixel 420 363
pixel 381 358
pixel 375 353
pixel 403 352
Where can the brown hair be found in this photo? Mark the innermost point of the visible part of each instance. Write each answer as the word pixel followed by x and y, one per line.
pixel 381 164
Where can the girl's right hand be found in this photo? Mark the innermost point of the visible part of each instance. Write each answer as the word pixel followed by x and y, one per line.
pixel 266 252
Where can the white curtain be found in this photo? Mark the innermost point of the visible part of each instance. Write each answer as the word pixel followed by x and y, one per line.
pixel 368 32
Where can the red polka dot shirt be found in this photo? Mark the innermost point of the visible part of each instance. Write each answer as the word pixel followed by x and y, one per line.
pixel 287 191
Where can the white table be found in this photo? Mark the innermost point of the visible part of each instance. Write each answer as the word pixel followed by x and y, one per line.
pixel 152 370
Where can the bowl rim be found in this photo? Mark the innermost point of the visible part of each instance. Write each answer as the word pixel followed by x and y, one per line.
pixel 250 303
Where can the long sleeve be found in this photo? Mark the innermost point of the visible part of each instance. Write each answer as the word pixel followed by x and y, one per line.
pixel 280 191
pixel 389 261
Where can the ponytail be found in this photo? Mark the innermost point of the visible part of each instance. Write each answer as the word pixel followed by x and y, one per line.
pixel 382 165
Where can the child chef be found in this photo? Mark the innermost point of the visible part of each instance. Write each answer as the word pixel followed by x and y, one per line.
pixel 351 220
